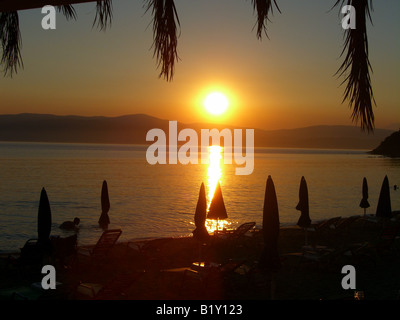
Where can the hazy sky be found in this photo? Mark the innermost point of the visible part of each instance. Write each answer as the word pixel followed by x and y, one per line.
pixel 286 81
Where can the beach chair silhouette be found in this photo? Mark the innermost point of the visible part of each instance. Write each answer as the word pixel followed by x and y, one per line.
pixel 228 240
pixel 151 252
pixel 386 243
pixel 241 230
pixel 384 246
pixel 30 258
pixel 238 233
pixel 115 288
pixel 64 250
pixel 324 226
pixel 103 246
pixel 211 277
pixel 31 253
pixel 342 226
pixel 322 257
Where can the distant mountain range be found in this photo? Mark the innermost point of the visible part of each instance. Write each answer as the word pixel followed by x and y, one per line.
pixel 132 129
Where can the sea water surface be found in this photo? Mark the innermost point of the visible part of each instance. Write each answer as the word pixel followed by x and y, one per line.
pixel 160 200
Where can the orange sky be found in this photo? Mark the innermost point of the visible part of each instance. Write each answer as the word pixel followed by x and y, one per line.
pixel 285 82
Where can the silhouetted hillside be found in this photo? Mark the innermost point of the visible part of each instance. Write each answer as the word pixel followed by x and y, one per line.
pixel 132 129
pixel 332 137
pixel 77 129
pixel 389 147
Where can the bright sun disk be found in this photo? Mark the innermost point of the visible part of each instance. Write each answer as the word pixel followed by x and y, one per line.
pixel 216 103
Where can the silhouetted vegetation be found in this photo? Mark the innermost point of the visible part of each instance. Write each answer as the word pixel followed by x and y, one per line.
pixel 355 67
pixel 389 147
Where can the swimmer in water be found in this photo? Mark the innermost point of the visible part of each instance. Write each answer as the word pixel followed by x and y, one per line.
pixel 70 225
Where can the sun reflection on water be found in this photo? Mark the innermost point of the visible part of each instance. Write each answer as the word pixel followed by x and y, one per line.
pixel 214 174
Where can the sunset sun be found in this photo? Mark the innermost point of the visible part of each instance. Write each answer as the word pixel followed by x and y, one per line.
pixel 216 103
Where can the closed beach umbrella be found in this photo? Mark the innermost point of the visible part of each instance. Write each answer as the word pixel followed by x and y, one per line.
pixel 364 201
pixel 217 209
pixel 200 233
pixel 270 258
pixel 384 208
pixel 303 206
pixel 104 220
pixel 44 220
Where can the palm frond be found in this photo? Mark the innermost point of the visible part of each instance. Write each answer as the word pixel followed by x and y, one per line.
pixel 11 43
pixel 103 14
pixel 356 67
pixel 68 11
pixel 165 38
pixel 263 9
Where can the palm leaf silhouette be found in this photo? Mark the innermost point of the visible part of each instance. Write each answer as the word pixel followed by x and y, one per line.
pixel 263 9
pixel 68 11
pixel 10 39
pixel 356 66
pixel 103 14
pixel 165 39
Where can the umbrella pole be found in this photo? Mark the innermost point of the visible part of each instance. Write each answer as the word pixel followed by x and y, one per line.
pixel 273 286
pixel 306 236
pixel 200 245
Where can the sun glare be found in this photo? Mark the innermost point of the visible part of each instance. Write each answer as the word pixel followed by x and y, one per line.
pixel 216 103
pixel 214 171
pixel 214 175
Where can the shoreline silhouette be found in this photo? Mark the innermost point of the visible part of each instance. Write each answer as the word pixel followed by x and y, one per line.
pixel 293 280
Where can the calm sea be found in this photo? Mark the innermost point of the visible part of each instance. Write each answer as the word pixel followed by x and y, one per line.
pixel 160 200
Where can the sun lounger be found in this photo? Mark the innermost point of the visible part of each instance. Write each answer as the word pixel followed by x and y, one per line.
pixel 239 231
pixel 115 288
pixel 385 245
pixel 320 255
pixel 31 253
pixel 64 250
pixel 150 252
pixel 232 238
pixel 103 246
pixel 211 275
pixel 207 279
pixel 29 260
pixel 324 226
pixel 341 228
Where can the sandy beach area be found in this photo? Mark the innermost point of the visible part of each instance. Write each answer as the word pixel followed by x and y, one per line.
pixel 159 269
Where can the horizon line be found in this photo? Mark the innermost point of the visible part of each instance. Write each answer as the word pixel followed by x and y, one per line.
pixel 191 123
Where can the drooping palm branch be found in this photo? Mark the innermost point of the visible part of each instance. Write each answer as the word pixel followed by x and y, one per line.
pixel 356 66
pixel 165 38
pixel 103 14
pixel 68 11
pixel 263 9
pixel 11 43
